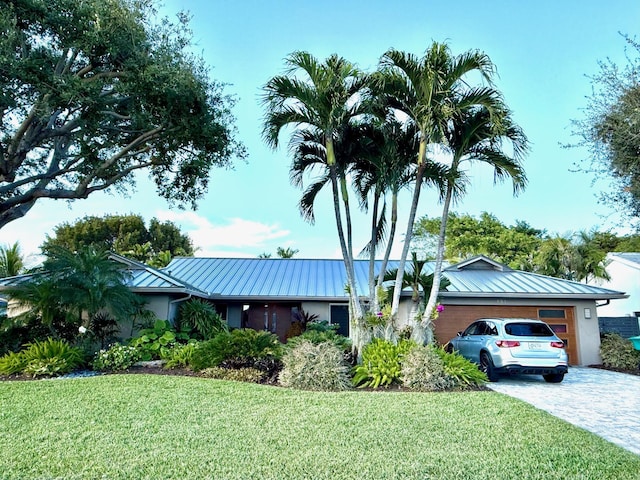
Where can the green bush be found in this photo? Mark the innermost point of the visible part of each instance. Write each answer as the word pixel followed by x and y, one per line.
pixel 618 352
pixel 49 357
pixel 243 343
pixel 423 370
pixel 180 355
pixel 155 343
pixel 463 372
pixel 381 363
pixel 320 335
pixel 201 318
pixel 12 363
pixel 238 375
pixel 115 359
pixel 310 366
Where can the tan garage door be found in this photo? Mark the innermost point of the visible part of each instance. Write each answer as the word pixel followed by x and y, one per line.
pixel 456 318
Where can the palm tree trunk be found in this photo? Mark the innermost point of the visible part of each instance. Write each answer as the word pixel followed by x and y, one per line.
pixel 437 272
pixel 408 234
pixel 373 294
pixel 387 252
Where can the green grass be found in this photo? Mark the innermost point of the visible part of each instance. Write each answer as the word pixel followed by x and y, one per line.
pixel 163 427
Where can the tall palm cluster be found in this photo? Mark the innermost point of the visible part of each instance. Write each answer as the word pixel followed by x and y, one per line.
pixel 368 135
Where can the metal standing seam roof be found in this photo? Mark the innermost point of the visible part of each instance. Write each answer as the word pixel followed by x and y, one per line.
pixel 326 279
pixel 630 258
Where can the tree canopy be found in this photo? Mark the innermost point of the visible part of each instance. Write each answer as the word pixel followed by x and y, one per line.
pixel 92 91
pixel 610 130
pixel 126 235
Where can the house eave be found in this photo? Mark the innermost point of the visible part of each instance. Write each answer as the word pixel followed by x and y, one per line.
pixel 537 296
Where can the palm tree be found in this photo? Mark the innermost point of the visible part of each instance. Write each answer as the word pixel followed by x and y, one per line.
pixel 11 260
pixel 327 98
pixel 477 133
pixel 286 252
pixel 423 89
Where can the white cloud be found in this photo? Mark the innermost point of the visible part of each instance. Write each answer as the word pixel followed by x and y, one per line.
pixel 229 238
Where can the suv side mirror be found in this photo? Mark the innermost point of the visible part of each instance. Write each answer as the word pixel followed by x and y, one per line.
pixel 459 334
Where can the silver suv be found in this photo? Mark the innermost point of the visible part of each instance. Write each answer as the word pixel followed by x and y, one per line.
pixel 512 345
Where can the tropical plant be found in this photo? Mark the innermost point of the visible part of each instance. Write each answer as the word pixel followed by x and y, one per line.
pixel 322 103
pixel 286 252
pixel 243 343
pixel 480 130
pixel 156 343
pixel 317 335
pixel 381 363
pixel 199 317
pixel 180 355
pixel 116 358
pixel 11 260
pixel 428 91
pixel 423 370
pixel 618 352
pixel 464 373
pixel 43 358
pixel 310 366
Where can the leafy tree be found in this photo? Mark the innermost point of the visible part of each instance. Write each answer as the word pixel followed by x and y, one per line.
pixel 11 260
pixel 95 90
pixel 126 235
pixel 610 130
pixel 468 236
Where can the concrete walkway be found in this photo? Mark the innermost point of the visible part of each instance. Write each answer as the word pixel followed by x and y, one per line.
pixel 603 402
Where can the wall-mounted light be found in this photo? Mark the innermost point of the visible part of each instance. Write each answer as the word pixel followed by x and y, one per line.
pixel 587 313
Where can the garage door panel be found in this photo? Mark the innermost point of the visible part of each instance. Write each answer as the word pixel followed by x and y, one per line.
pixel 456 318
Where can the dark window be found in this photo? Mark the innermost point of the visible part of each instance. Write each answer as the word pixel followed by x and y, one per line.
pixel 522 329
pixel 473 329
pixel 340 317
pixel 551 313
pixel 558 328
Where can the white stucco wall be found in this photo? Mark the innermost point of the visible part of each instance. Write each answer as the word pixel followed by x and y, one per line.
pixel 625 277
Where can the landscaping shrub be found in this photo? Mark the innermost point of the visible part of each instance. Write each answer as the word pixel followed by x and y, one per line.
pixel 252 375
pixel 317 334
pixel 310 366
pixel 117 358
pixel 381 363
pixel 180 355
pixel 464 372
pixel 155 343
pixel 243 343
pixel 201 319
pixel 49 357
pixel 618 352
pixel 423 370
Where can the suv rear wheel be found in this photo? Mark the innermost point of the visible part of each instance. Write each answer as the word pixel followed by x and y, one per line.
pixel 486 365
pixel 554 377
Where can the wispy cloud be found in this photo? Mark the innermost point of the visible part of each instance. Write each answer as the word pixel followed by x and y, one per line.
pixel 229 238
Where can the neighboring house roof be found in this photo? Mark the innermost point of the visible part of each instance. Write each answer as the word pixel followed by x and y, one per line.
pixel 631 259
pixel 300 279
pixel 146 279
pixel 141 279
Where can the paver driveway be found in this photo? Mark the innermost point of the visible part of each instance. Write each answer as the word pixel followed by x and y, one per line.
pixel 603 402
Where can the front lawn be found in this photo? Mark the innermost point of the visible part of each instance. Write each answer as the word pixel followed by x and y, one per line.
pixel 162 427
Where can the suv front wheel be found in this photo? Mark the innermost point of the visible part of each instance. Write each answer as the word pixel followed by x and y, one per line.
pixel 486 366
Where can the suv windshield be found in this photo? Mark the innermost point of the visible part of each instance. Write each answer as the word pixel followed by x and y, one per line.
pixel 522 329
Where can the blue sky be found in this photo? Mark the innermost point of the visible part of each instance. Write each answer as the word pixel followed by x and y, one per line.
pixel 543 50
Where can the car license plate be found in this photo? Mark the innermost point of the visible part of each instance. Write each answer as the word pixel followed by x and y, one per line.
pixel 535 346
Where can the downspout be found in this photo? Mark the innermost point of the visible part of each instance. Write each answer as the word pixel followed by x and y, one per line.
pixel 172 302
pixel 607 302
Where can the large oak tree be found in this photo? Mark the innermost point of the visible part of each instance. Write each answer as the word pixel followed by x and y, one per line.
pixel 92 91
